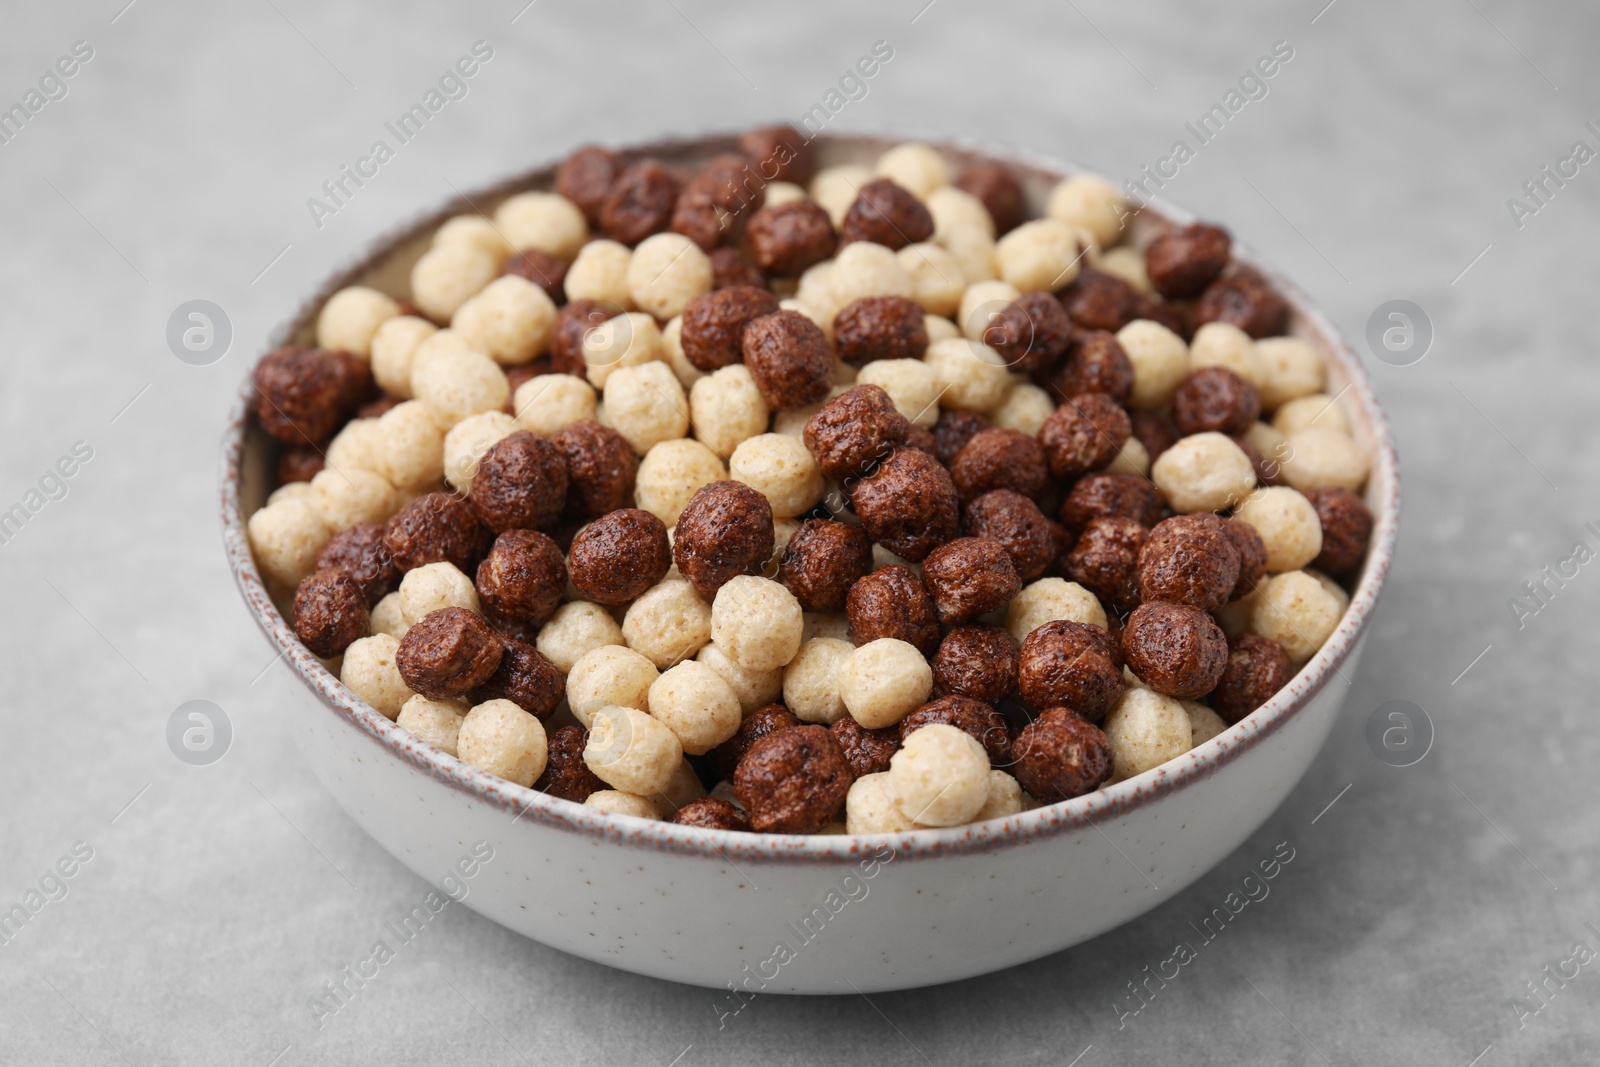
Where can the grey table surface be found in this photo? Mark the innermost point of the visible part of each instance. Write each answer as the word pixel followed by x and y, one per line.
pixel 215 902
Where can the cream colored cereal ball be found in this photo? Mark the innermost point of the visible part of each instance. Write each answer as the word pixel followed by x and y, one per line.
pixel 814 297
pixel 350 318
pixel 755 689
pixel 782 193
pixel 1314 409
pixel 821 315
pixel 1297 611
pixel 724 790
pixel 819 624
pixel 811 680
pixel 952 208
pixel 1332 587
pixel 549 403
pixel 370 673
pixel 434 586
pixel 1089 203
pixel 696 705
pixel 682 788
pixel 344 498
pixel 459 383
pixel 448 275
pixel 668 623
pixel 910 383
pixel 501 739
pixel 285 538
pixel 672 472
pixel 783 531
pixel 1127 264
pixel 437 722
pixel 1204 724
pixel 864 269
pixel 574 629
pixel 1050 599
pixel 980 305
pixel 782 469
pixel 646 405
pixel 725 408
pixel 883 681
pixel 1287 523
pixel 388 618
pixel 629 340
pixel 1318 457
pixel 1234 616
pixel 411 444
pixel 1133 458
pixel 756 622
pixel 914 167
pixel 474 230
pixel 290 491
pixel 630 751
pixel 545 221
pixel 870 807
pixel 393 345
pixel 937 276
pixel 968 375
pixel 359 446
pixel 1293 368
pixel 1025 409
pixel 940 328
pixel 1203 472
pixel 1040 256
pixel 609 675
pixel 836 188
pixel 511 320
pixel 1160 360
pixel 940 776
pixel 469 440
pixel 600 273
pixel 1004 799
pixel 666 272
pixel 1222 344
pixel 974 250
pixel 1146 729
pixel 438 343
pixel 672 345
pixel 618 802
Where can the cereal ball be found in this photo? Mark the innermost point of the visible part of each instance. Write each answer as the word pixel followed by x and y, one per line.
pixel 756 622
pixel 781 469
pixel 350 318
pixel 1346 526
pixel 1039 256
pixel 1100 495
pixel 387 618
pixel 522 578
pixel 574 322
pixel 940 776
pixel 619 556
pixel 640 203
pixel 1205 472
pixel 1182 262
pixel 410 446
pixel 457 383
pixel 565 774
pixel 789 358
pixel 758 724
pixel 779 153
pixel 882 681
pixel 671 473
pixel 892 602
pixel 525 677
pixel 646 405
pixel 428 588
pixel 1061 755
pixel 936 277
pixel 724 530
pixel 696 705
pixel 540 268
pixel 713 325
pixel 545 221
pixel 980 662
pixel 631 751
pixel 577 628
pixel 914 167
pixel 909 504
pixel 1320 458
pixel 866 751
pixel 360 552
pixel 467 442
pixel 729 268
pixel 712 813
pixel 511 320
pixel 1146 729
pixel 1105 561
pixel 1133 459
pixel 1070 664
pixel 1218 344
pixel 474 230
pixel 1025 409
pixel 871 807
pixel 968 577
pixel 1048 600
pixel 886 213
pixel 1204 724
pixel 629 340
pixel 1089 203
pixel 304 394
pixel 609 675
pixel 978 720
pixel 754 688
pixel 666 272
pixel 330 612
pixel 1031 333
pixel 1096 363
pixel 911 385
pixel 1316 409
pixel 548 403
pixel 954 209
pixel 1246 300
pixel 1128 264
pixel 793 781
pixel 880 327
pixel 1288 523
pixel 343 499
pixel 1160 361
pixel 1017 525
pixel 973 248
pixel 1257 668
pixel 448 653
pixel 600 274
pixel 982 307
pixel 668 624
pixel 1292 368
pixel 601 468
pixel 1175 649
pixel 1084 434
pixel 521 483
pixel 861 270
pixel 1189 559
pixel 1101 301
pixel 435 527
pixel 1214 400
pixel 726 408
pixel 998 458
pixel 823 561
pixel 672 344
pixel 953 431
pixel 999 192
pixel 786 239
pixel 1296 611
pixel 436 722
pixel 359 446
pixel 620 802
pixel 585 177
pixel 1252 555
pixel 448 275
pixel 1154 432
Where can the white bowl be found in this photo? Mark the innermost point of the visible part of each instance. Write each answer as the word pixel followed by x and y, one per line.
pixel 822 914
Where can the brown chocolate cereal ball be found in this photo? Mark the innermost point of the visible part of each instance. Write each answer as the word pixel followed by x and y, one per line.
pixel 793 781
pixel 521 483
pixel 1346 528
pixel 601 468
pixel 999 459
pixel 909 504
pixel 1016 523
pixel 1105 561
pixel 1189 559
pixel 756 725
pixel 1096 363
pixel 867 751
pixel 574 320
pixel 921 438
pixel 779 154
pixel 786 239
pixel 436 528
pixel 713 325
pixel 968 577
pixel 854 432
pixel 448 654
pixel 618 556
pixel 640 202
pixel 998 191
pixel 1182 262
pixel 789 358
pixel 304 394
pixel 729 268
pixel 1154 432
pixel 1060 755
pixel 724 530
pixel 1252 554
pixel 1215 399
pixel 330 612
pixel 1084 434
pixel 360 553
pixel 543 270
pixel 1257 668
pixel 697 215
pixel 524 677
pixel 1100 301
pixel 586 177
pixel 880 327
pixel 1127 495
pixel 1071 664
pixel 974 717
pixel 1176 649
pixel 886 214
pixel 980 662
pixel 566 775
pixel 1175 317
pixel 1243 299
pixel 523 578
pixel 299 464
pixel 823 560
pixel 952 432
pixel 893 602
pixel 712 813
pixel 1032 334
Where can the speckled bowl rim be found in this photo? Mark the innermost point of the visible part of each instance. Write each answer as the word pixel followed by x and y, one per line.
pixel 728 846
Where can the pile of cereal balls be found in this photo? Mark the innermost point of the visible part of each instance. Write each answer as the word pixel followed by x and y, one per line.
pixel 781 499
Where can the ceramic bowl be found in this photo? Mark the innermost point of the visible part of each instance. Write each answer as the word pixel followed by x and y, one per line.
pixel 823 914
